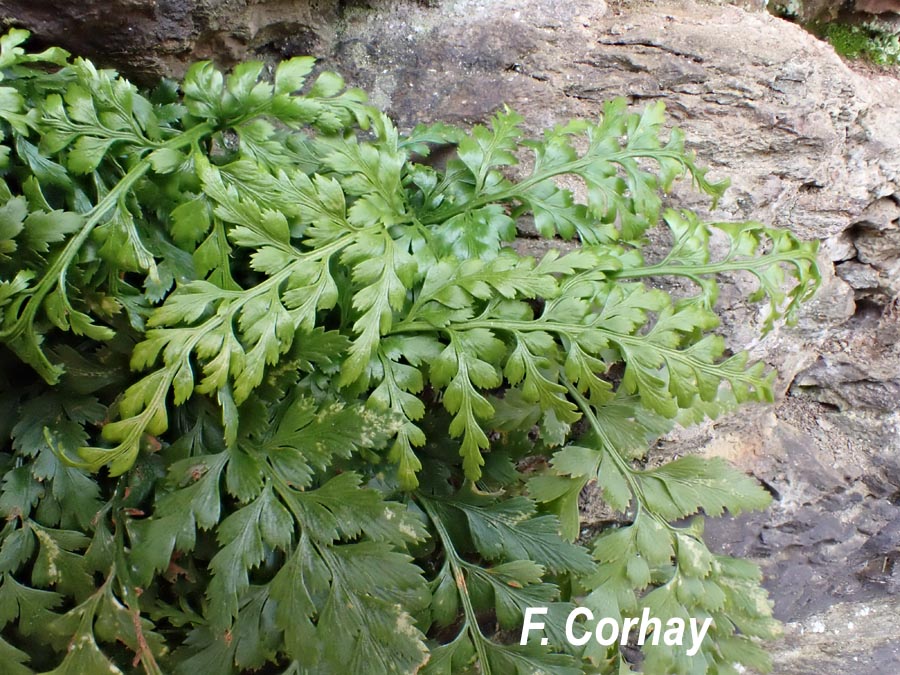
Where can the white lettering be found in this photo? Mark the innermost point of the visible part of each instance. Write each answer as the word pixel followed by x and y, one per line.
pixel 570 624
pixel 614 635
pixel 607 631
pixel 530 625
pixel 697 637
pixel 675 634
pixel 646 622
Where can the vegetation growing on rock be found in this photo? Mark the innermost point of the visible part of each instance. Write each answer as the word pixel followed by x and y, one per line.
pixel 288 399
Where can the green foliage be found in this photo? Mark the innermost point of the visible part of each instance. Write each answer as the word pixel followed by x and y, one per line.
pixel 872 39
pixel 279 394
pixel 790 9
pixel 869 42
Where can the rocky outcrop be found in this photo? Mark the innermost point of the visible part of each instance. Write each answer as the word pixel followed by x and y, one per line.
pixel 877 6
pixel 149 38
pixel 808 143
pixel 821 11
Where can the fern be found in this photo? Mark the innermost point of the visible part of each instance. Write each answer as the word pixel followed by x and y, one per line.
pixel 289 399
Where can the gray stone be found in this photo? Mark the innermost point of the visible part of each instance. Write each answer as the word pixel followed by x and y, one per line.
pixel 149 38
pixel 809 144
pixel 858 275
pixel 879 247
pixel 878 6
pixel 881 214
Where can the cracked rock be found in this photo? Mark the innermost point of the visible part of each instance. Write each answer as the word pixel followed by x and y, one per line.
pixel 808 143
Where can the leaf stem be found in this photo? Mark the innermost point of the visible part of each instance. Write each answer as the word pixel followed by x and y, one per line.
pixel 456 567
pixel 694 272
pixel 55 276
pixel 514 326
pixel 608 446
pixel 517 190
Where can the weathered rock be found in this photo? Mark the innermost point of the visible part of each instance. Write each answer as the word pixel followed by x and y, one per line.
pixel 809 144
pixel 808 10
pixel 149 38
pixel 877 13
pixel 861 277
pixel 829 544
pixel 878 6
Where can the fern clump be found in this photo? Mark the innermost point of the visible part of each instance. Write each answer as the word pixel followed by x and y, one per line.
pixel 281 396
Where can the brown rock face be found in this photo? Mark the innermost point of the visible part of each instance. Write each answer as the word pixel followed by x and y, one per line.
pixel 149 38
pixel 809 145
pixel 878 6
pixel 828 10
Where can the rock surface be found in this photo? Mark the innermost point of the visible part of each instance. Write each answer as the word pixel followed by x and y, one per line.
pixel 149 38
pixel 809 144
